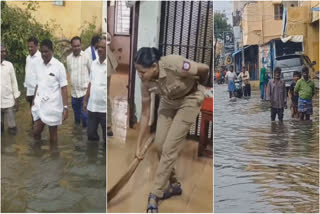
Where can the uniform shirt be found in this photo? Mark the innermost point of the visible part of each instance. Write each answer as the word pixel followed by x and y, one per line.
pixel 276 93
pixel 305 89
pixel 89 53
pixel 9 85
pixel 244 77
pixel 112 62
pixel 30 78
pixel 176 76
pixel 79 69
pixel 48 105
pixel 98 90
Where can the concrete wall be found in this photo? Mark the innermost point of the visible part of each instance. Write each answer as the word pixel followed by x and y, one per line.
pixel 148 36
pixel 69 17
pixel 259 25
pixel 271 28
pixel 299 23
pixel 251 24
pixel 120 44
pixel 313 43
pixel 104 17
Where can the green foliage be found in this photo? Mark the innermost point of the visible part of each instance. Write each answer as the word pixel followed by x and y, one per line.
pixel 220 25
pixel 17 25
pixel 88 30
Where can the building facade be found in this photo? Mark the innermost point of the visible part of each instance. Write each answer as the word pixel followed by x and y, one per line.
pixel 71 16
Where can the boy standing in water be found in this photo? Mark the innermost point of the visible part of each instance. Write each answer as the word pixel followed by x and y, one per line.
pixel 294 97
pixel 276 93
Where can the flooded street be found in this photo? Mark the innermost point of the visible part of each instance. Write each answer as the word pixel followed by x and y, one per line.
pixel 37 179
pixel 262 166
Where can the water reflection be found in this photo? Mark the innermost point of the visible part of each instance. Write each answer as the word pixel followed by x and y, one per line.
pixel 264 166
pixel 38 178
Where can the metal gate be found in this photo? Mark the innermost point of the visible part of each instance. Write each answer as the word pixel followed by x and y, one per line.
pixel 186 28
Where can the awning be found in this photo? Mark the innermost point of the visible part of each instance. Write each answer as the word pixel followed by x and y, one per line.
pixel 239 51
pixel 293 38
pixel 236 52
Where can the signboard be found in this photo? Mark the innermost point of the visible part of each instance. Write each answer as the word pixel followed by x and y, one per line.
pixel 229 60
pixel 228 40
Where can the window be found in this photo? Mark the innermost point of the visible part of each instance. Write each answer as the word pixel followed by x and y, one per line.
pixel 58 3
pixel 122 18
pixel 278 11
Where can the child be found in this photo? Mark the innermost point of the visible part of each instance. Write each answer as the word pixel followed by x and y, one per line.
pixel 305 89
pixel 294 97
pixel 276 93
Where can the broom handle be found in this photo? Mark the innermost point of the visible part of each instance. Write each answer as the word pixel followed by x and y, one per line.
pixel 126 176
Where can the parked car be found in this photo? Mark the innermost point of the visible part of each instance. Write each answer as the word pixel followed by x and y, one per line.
pixel 291 63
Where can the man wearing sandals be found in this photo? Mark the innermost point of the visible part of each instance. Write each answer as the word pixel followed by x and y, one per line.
pixel 176 79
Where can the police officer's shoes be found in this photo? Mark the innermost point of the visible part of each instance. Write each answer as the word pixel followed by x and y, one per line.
pixel 152 203
pixel 172 190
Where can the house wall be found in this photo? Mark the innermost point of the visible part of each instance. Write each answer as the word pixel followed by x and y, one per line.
pixel 120 44
pixel 148 36
pixel 69 17
pixel 300 23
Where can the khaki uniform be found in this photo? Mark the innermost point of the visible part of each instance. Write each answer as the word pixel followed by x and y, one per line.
pixel 179 106
pixel 112 64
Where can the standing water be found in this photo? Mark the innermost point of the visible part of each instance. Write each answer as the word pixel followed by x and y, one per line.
pixel 263 166
pixel 35 178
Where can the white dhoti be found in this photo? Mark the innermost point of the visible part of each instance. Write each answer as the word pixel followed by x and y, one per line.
pixel 48 105
pixel 48 109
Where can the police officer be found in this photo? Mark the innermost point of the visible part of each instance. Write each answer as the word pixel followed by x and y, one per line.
pixel 175 78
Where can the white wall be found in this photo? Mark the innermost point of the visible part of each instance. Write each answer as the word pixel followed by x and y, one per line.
pixel 104 17
pixel 148 36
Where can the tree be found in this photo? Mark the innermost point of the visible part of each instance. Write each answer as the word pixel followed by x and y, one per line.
pixel 17 25
pixel 220 25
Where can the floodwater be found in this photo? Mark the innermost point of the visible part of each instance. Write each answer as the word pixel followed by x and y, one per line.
pixel 263 166
pixel 35 178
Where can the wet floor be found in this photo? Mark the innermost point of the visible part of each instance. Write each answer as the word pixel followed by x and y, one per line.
pixel 195 174
pixel 35 178
pixel 262 166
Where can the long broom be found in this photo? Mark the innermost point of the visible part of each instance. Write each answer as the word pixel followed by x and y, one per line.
pixel 127 175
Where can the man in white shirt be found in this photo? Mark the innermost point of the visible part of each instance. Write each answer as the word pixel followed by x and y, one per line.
pixel 50 106
pixel 9 93
pixel 92 50
pixel 96 94
pixel 78 65
pixel 244 76
pixel 31 62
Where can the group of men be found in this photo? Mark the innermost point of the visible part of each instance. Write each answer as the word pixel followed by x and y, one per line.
pixel 46 87
pixel 243 76
pixel 301 92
